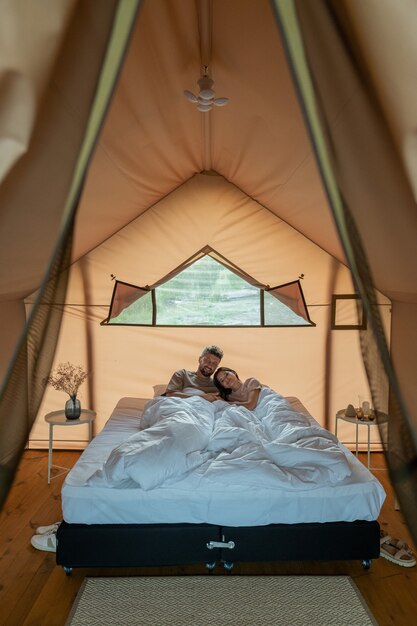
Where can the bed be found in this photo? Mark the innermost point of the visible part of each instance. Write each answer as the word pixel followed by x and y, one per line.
pixel 298 494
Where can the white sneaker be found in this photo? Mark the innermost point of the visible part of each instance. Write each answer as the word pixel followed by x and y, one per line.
pixel 47 530
pixel 44 542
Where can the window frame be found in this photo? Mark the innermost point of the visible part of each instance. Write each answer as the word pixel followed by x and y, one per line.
pixel 208 251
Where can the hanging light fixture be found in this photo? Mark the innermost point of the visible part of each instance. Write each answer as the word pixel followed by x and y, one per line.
pixel 206 97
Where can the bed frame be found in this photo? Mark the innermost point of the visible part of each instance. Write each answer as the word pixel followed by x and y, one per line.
pixel 144 545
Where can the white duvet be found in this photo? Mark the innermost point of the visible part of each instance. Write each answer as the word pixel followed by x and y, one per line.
pixel 273 446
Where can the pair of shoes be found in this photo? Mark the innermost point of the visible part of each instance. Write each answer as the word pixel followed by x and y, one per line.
pixel 44 542
pixel 47 530
pixel 396 551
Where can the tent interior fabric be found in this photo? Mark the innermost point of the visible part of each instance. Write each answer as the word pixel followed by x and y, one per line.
pixel 158 241
pixel 166 180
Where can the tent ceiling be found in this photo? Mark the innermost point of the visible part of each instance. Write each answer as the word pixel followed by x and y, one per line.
pixel 154 139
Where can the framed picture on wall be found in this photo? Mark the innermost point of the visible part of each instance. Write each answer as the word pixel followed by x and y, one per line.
pixel 347 312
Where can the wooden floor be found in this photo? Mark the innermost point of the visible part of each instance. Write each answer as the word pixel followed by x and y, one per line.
pixel 34 591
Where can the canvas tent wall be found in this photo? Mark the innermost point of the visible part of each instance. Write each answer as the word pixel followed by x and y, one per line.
pixel 154 140
pixel 207 209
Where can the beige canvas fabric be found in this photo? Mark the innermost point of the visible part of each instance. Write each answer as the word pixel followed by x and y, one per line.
pixel 23 384
pixel 129 361
pixel 46 89
pixel 271 218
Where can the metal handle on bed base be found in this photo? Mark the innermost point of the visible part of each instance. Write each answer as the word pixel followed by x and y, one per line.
pixel 220 544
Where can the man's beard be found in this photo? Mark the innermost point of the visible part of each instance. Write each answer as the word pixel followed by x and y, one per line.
pixel 206 371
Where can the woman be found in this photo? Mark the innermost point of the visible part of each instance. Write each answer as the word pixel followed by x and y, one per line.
pixel 233 390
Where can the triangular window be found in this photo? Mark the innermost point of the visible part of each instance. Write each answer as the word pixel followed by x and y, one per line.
pixel 208 290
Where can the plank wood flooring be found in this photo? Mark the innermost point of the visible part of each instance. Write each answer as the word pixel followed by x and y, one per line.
pixel 36 592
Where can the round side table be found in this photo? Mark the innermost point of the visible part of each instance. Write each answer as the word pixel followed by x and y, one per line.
pixel 340 415
pixel 57 418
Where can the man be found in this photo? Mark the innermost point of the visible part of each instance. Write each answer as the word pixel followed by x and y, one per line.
pixel 184 383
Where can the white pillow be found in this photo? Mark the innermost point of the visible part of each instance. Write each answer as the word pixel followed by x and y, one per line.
pixel 158 390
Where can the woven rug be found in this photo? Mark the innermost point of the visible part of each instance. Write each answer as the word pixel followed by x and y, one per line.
pixel 220 601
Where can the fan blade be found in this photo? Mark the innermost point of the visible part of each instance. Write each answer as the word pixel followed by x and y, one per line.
pixel 205 101
pixel 220 102
pixel 206 94
pixel 190 96
pixel 205 107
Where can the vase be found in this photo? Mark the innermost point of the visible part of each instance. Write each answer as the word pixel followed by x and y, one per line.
pixel 72 408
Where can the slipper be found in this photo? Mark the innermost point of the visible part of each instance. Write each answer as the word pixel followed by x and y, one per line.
pixel 47 530
pixel 396 551
pixel 398 543
pixel 44 542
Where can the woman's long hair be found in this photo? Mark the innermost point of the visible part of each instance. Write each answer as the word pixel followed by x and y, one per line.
pixel 224 391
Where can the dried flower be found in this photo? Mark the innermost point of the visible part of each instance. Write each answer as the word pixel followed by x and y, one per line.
pixel 67 377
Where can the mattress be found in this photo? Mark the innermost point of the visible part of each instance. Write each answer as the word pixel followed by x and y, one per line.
pixel 357 497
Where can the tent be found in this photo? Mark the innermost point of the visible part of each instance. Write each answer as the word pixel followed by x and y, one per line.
pixel 152 180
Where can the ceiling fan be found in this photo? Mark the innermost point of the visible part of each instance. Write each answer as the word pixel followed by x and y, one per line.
pixel 206 98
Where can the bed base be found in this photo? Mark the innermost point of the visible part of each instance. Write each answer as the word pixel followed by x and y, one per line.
pixel 149 545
